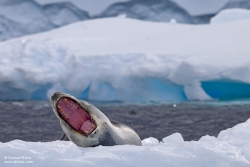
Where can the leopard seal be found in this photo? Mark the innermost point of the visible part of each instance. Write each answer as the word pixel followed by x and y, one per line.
pixel 87 126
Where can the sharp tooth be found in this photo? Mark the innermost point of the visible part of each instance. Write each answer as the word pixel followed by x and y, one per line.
pixel 63 112
pixel 93 131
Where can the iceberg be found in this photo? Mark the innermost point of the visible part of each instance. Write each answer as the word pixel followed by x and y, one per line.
pixel 127 60
pixel 231 148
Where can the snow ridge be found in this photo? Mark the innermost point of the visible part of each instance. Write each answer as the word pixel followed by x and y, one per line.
pixel 245 4
pixel 151 10
pixel 22 17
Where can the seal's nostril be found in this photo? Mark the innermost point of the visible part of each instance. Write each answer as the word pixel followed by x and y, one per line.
pixel 55 96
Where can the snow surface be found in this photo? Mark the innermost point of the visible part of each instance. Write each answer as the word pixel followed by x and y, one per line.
pixel 120 59
pixel 230 149
pixel 228 15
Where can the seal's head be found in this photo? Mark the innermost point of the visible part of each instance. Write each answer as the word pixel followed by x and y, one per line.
pixel 79 120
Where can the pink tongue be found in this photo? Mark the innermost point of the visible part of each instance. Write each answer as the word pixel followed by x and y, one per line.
pixel 86 126
pixel 77 117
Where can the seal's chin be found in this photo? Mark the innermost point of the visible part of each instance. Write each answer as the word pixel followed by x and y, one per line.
pixel 77 117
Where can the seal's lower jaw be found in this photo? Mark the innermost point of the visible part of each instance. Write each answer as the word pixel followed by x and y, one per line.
pixel 77 117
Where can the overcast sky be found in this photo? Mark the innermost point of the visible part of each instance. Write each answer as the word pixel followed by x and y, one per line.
pixel 194 7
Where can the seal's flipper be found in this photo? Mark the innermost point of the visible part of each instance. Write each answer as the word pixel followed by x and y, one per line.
pixel 64 137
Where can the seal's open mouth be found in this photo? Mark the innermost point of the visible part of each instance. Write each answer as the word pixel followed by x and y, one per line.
pixel 75 115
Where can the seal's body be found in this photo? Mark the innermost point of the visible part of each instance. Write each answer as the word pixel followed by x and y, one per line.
pixel 87 126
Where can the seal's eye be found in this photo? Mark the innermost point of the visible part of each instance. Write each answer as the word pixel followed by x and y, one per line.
pixel 75 115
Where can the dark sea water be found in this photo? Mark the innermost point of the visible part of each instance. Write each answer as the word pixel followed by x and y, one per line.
pixel 35 120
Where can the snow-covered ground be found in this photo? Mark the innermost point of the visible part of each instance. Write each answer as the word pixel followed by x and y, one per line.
pixel 121 59
pixel 230 149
